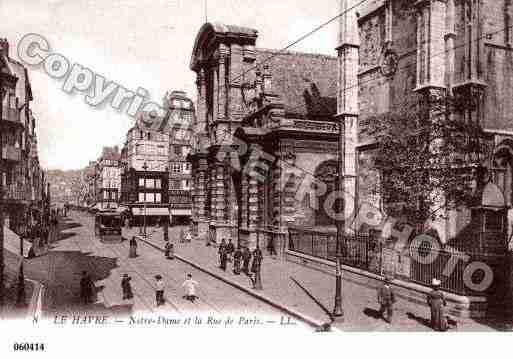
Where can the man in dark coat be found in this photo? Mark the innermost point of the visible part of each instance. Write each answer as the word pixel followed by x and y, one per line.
pixel 86 288
pixel 386 300
pixel 437 303
pixel 223 254
pixel 133 248
pixel 270 247
pixel 230 248
pixel 257 260
pixel 237 256
pixel 246 258
pixel 127 288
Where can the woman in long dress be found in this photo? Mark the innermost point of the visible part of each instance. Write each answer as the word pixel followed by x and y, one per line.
pixel 437 303
pixel 133 248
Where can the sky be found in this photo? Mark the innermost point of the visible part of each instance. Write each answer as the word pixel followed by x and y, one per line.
pixel 137 43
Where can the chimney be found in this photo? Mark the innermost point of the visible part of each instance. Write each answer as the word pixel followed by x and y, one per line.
pixel 4 47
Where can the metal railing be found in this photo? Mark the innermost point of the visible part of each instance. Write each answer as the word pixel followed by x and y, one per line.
pixel 419 265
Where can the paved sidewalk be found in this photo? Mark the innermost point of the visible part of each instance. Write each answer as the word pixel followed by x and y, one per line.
pixel 359 293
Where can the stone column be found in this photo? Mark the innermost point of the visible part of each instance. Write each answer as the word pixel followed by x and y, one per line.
pixel 244 202
pixel 223 53
pixel 347 101
pixel 450 36
pixel 213 193
pixel 201 113
pixel 288 183
pixel 431 30
pixel 200 199
pixel 215 73
pixel 253 215
pixel 237 77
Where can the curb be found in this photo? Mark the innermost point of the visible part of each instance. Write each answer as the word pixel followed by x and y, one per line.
pixel 409 291
pixel 298 315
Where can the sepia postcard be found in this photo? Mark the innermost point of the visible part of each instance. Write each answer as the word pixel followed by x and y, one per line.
pixel 210 174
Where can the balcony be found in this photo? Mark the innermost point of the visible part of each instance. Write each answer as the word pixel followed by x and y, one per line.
pixel 11 153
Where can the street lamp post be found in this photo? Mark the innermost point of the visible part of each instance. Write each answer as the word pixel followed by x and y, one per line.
pixel 145 168
pixel 338 313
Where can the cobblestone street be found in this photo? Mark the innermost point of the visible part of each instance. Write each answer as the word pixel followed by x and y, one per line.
pixel 78 250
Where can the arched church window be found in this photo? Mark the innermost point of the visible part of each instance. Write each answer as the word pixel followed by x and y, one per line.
pixel 326 173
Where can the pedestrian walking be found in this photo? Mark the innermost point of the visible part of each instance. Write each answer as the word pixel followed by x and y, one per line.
pixel 133 248
pixel 188 236
pixel 386 300
pixel 257 260
pixel 230 249
pixel 270 246
pixel 237 257
pixel 169 250
pixel 436 301
pixel 86 288
pixel 246 258
pixel 223 254
pixel 190 288
pixel 159 292
pixel 126 287
pixel 182 236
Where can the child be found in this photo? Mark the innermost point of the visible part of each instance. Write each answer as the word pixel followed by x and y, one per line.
pixel 159 293
pixel 386 300
pixel 190 288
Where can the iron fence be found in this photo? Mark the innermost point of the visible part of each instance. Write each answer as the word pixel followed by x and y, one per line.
pixel 420 265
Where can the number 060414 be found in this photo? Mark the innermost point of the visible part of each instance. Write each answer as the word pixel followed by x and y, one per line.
pixel 33 347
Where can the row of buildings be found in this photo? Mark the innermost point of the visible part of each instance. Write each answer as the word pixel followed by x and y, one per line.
pixel 149 176
pixel 294 111
pixel 23 190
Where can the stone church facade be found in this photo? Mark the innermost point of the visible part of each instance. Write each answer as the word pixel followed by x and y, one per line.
pixel 390 50
pixel 264 128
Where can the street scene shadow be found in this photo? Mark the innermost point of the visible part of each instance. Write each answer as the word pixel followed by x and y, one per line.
pixel 61 271
pixel 69 224
pixel 372 313
pixel 423 321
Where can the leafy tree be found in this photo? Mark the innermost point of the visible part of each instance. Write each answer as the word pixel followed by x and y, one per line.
pixel 430 155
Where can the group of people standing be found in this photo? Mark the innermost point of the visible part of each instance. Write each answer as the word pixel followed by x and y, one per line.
pixel 435 300
pixel 228 253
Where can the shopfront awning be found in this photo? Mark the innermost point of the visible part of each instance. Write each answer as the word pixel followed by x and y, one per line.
pixel 151 211
pixel 180 212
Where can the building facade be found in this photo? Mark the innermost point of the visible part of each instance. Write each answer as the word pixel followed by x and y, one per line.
pixel 264 125
pixel 108 178
pixel 179 119
pixel 20 174
pixel 390 51
pixel 145 173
